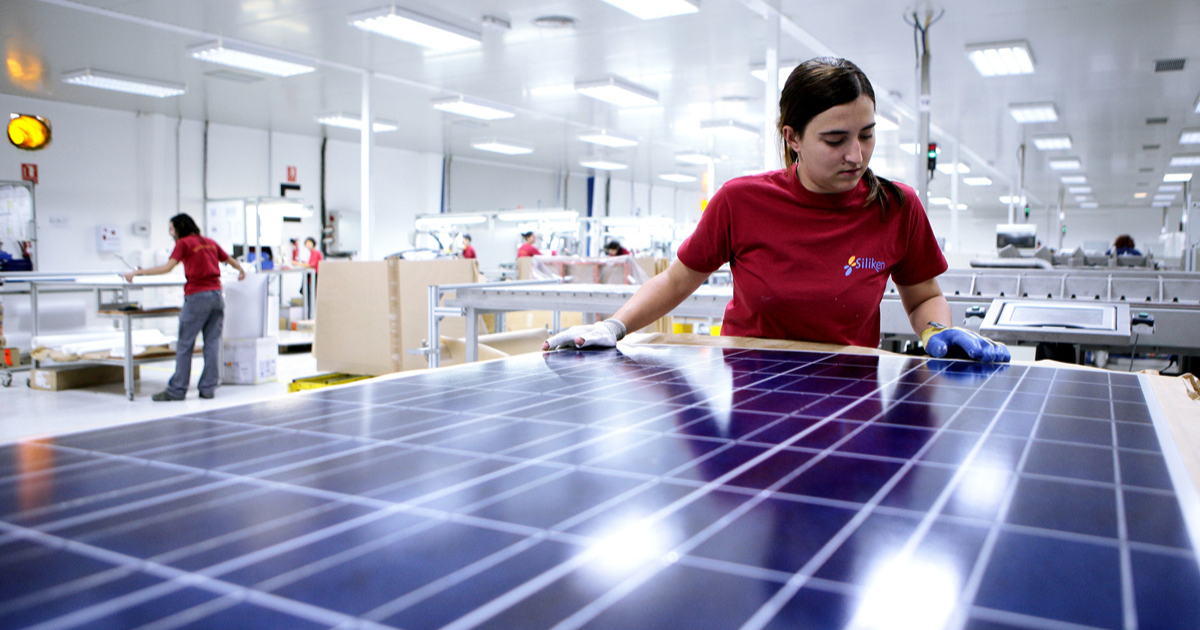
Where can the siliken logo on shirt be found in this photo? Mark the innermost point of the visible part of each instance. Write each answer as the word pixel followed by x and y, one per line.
pixel 864 263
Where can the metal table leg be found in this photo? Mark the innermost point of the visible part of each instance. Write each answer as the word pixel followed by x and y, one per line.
pixel 472 354
pixel 129 356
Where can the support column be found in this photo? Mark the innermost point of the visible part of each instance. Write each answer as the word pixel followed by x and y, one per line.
pixel 924 104
pixel 770 135
pixel 366 212
pixel 954 245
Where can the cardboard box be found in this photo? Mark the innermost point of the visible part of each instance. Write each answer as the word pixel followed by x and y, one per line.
pixel 57 378
pixel 249 361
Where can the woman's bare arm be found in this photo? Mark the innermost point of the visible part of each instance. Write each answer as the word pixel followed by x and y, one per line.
pixel 660 296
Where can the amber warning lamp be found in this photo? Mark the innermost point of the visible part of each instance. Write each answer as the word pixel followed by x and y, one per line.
pixel 28 132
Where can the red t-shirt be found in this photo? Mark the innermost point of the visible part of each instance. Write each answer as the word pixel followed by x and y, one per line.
pixel 468 252
pixel 528 250
pixel 314 259
pixel 808 266
pixel 201 258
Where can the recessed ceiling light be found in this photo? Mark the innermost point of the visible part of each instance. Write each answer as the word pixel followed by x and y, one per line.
pixel 939 201
pixel 1177 177
pixel 1186 159
pixel 1160 204
pixel 1080 190
pixel 1081 197
pixel 473 107
pixel 949 168
pixel 603 165
pixel 693 157
pixel 123 83
pixel 353 121
pixel 1089 205
pixel 609 139
pixel 415 28
pixel 1054 142
pixel 679 178
pixel 977 181
pixel 1189 136
pixel 1171 188
pixel 618 91
pixel 1001 58
pixel 1008 199
pixel 1167 197
pixel 1033 112
pixel 1065 164
pixel 246 58
pixel 653 9
pixel 729 127
pixel 1139 195
pixel 1073 179
pixel 504 147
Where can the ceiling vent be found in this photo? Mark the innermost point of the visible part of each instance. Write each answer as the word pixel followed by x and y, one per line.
pixel 1168 65
pixel 555 21
pixel 1157 121
pixel 1146 169
pixel 1151 147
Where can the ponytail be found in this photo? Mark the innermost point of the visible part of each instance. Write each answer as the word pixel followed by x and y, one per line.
pixel 882 190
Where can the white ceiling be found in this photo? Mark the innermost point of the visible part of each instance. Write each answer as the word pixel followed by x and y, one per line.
pixel 1095 59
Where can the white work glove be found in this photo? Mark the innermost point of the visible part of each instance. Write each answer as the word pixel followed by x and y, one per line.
pixel 605 334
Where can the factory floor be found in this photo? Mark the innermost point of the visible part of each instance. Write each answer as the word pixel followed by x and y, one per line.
pixel 30 413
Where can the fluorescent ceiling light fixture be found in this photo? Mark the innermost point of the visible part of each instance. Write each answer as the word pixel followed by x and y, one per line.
pixel 291 209
pixel 505 147
pixel 618 91
pixel 909 147
pixel 1081 197
pixel 1160 204
pixel 785 70
pixel 609 139
pixel 415 28
pixel 1056 142
pixel 679 178
pixel 977 181
pixel 1001 58
pixel 1080 190
pixel 1073 179
pixel 1008 199
pixel 473 107
pixel 1089 205
pixel 1186 159
pixel 123 83
pixel 729 127
pixel 939 201
pixel 447 220
pixel 351 121
pixel 635 221
pixel 949 168
pixel 1177 177
pixel 693 157
pixel 653 9
pixel 1139 195
pixel 1033 112
pixel 1164 197
pixel 1170 188
pixel 1189 136
pixel 1065 164
pixel 246 58
pixel 538 215
pixel 603 165
pixel 885 123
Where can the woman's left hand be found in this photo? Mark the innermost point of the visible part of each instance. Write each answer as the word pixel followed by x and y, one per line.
pixel 940 341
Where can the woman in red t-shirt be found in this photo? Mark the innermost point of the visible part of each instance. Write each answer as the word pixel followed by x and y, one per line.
pixel 467 251
pixel 314 256
pixel 203 305
pixel 527 248
pixel 811 246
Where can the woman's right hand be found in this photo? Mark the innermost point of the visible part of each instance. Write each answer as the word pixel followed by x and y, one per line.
pixel 605 334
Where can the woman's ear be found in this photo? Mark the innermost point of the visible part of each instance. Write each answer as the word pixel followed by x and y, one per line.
pixel 792 139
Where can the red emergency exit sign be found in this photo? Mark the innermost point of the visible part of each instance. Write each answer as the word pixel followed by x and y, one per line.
pixel 29 173
pixel 291 174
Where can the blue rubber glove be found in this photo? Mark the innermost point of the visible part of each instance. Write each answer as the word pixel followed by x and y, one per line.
pixel 940 341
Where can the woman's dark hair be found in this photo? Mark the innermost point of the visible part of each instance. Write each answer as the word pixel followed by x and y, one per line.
pixel 467 237
pixel 1124 241
pixel 820 84
pixel 526 234
pixel 184 226
pixel 613 245
pixel 310 240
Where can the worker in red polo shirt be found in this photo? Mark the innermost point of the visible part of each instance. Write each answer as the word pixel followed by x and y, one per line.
pixel 203 305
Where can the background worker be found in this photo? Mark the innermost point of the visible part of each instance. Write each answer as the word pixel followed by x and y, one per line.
pixel 614 248
pixel 1124 246
pixel 314 256
pixel 528 248
pixel 467 251
pixel 203 305
pixel 811 246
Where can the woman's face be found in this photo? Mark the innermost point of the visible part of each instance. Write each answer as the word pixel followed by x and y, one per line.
pixel 836 147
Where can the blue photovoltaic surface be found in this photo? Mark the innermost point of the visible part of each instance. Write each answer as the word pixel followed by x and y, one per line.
pixel 657 487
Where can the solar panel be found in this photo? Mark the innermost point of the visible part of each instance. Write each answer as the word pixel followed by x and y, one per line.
pixel 655 487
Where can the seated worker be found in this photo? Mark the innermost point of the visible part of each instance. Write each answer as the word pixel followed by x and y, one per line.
pixel 467 251
pixel 811 246
pixel 1124 247
pixel 203 305
pixel 614 249
pixel 528 248
pixel 314 256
